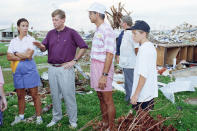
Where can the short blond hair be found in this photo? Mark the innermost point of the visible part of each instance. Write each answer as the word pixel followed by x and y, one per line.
pixel 59 12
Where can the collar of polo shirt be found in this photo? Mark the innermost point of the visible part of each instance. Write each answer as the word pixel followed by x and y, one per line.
pixel 64 30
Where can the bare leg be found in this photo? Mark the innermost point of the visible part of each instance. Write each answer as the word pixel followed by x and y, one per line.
pixel 36 99
pixel 21 100
pixel 103 108
pixel 108 99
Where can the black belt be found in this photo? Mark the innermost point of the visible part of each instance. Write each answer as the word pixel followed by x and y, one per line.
pixel 57 65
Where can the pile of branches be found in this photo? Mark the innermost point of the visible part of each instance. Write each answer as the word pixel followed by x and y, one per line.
pixel 116 15
pixel 143 121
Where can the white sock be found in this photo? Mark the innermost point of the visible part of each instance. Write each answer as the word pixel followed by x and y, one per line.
pixel 21 116
pixel 39 117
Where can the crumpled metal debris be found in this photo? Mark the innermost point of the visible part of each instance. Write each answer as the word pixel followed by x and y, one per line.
pixel 184 33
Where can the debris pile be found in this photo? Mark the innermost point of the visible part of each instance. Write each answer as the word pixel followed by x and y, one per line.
pixel 184 33
pixel 82 84
pixel 85 58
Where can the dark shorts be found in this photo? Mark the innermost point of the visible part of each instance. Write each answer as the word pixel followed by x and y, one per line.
pixel 148 105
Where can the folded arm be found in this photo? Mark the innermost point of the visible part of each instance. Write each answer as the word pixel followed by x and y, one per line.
pixel 20 56
pixel 26 55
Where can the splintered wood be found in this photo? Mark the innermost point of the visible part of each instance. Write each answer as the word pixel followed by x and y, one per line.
pixel 115 17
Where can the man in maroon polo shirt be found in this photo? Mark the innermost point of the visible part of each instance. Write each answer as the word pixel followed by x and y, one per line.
pixel 61 44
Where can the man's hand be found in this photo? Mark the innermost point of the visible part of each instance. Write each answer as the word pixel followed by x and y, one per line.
pixel 140 85
pixel 69 64
pixel 134 99
pixel 37 44
pixel 102 82
pixel 40 46
pixel 117 59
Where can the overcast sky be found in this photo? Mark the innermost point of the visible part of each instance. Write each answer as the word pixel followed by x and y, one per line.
pixel 160 14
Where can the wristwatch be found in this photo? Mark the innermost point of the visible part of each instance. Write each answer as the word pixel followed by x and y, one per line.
pixel 15 53
pixel 75 59
pixel 105 74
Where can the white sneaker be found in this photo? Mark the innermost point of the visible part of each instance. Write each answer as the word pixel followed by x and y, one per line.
pixel 73 125
pixel 52 123
pixel 39 121
pixel 17 120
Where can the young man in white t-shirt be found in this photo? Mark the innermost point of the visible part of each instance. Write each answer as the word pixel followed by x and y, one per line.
pixel 145 87
pixel 126 54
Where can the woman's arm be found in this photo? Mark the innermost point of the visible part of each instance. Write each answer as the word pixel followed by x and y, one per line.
pixel 20 56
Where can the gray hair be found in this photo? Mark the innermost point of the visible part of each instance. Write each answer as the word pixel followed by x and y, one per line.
pixel 127 19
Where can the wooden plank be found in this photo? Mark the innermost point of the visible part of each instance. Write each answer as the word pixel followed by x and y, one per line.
pixel 171 54
pixel 182 55
pixel 166 54
pixel 195 54
pixel 190 51
pixel 161 52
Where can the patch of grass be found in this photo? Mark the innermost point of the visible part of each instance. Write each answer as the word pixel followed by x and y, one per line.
pixel 8 86
pixel 42 70
pixel 40 59
pixel 3 48
pixel 165 79
pixel 3 58
pixel 4 63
